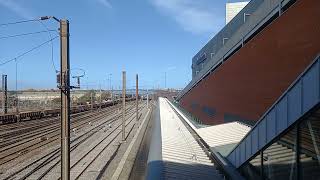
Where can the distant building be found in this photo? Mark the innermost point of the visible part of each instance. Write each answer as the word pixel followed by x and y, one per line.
pixel 207 53
pixel 232 9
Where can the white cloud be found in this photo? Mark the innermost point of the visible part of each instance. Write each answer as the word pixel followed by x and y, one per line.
pixel 193 15
pixel 17 8
pixel 105 3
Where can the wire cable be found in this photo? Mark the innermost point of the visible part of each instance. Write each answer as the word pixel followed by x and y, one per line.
pixel 24 34
pixel 18 22
pixel 23 54
pixel 52 50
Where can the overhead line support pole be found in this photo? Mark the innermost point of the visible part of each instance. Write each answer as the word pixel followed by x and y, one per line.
pixel 4 94
pixel 91 100
pixel 147 98
pixel 137 96
pixel 100 99
pixel 124 105
pixel 65 99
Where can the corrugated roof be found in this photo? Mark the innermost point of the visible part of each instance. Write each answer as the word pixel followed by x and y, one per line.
pixel 222 138
pixel 183 157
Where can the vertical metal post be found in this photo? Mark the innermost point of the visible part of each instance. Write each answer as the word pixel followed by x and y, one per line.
pixel 124 105
pixel 137 96
pixel 110 81
pixel 4 94
pixel 147 98
pixel 17 98
pixel 280 8
pixel 65 100
pixel 165 80
pixel 262 166
pixel 100 100
pixel 91 100
pixel 297 150
pixel 112 99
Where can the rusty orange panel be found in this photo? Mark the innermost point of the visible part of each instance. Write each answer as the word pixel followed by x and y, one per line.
pixel 252 79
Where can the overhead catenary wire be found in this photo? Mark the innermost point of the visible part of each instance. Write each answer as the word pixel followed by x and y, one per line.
pixel 24 34
pixel 52 50
pixel 23 54
pixel 31 33
pixel 18 22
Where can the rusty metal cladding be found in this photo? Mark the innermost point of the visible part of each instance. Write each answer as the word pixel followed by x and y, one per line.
pixel 252 79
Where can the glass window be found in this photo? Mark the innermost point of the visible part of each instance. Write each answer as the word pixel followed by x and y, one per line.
pixel 309 147
pixel 252 170
pixel 279 159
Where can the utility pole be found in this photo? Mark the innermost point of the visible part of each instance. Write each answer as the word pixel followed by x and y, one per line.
pixel 112 99
pixel 17 98
pixel 165 80
pixel 91 100
pixel 137 96
pixel 100 97
pixel 4 94
pixel 124 105
pixel 110 76
pixel 65 99
pixel 147 98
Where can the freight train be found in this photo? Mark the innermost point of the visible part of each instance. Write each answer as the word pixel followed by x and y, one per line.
pixel 31 115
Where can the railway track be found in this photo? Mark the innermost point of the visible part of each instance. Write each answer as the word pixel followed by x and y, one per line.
pixel 84 159
pixel 15 150
pixel 30 131
pixel 45 163
pixel 14 128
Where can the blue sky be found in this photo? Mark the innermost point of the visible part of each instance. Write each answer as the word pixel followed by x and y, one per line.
pixel 148 37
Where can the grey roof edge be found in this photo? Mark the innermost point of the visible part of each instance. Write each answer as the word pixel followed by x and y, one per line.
pixel 264 12
pixel 155 164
